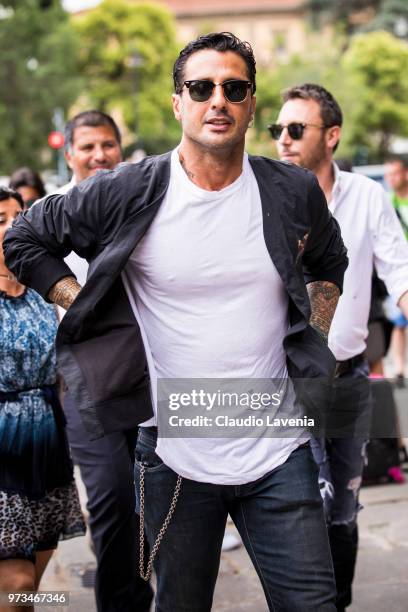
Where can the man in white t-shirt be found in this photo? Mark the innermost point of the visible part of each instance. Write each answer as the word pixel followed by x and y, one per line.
pixel 308 131
pixel 199 260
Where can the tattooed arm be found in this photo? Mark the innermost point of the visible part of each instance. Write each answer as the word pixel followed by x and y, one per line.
pixel 64 292
pixel 323 297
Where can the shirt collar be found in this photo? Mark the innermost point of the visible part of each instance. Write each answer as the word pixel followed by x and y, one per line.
pixel 336 186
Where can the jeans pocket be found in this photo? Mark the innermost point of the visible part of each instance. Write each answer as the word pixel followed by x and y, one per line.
pixel 148 459
pixel 145 453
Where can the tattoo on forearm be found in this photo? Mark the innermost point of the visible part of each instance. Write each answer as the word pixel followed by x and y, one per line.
pixel 183 165
pixel 323 300
pixel 64 292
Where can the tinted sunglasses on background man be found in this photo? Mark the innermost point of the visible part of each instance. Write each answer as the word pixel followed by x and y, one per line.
pixel 295 130
pixel 234 90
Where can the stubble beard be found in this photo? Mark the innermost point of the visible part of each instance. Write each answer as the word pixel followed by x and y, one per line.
pixel 315 158
pixel 227 146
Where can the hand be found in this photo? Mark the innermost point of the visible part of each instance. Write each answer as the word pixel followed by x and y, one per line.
pixel 403 304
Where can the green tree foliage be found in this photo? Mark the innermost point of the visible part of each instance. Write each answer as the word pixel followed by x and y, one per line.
pixel 301 69
pixel 127 55
pixel 339 12
pixel 377 63
pixel 390 15
pixel 370 82
pixel 38 50
pixel 269 85
pixel 393 17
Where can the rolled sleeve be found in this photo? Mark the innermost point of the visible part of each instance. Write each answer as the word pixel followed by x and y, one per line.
pixel 39 239
pixel 389 245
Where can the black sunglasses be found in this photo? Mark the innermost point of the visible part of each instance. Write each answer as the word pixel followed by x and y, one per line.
pixel 295 130
pixel 201 90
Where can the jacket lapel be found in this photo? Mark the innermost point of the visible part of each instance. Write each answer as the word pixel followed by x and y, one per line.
pixel 277 231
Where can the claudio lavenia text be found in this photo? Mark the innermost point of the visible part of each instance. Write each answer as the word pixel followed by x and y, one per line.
pixel 248 421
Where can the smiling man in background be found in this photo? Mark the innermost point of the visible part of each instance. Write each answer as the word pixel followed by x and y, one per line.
pixel 93 143
pixel 396 175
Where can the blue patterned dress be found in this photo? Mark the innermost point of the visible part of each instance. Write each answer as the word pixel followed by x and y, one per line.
pixel 38 498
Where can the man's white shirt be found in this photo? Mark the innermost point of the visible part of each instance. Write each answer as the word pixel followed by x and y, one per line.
pixel 372 234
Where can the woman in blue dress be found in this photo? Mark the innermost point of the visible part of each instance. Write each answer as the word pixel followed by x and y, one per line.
pixel 39 502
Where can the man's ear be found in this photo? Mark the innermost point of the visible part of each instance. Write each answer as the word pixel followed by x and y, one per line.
pixel 253 106
pixel 68 158
pixel 177 106
pixel 333 135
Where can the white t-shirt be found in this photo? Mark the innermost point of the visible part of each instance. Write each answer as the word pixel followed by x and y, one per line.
pixel 211 305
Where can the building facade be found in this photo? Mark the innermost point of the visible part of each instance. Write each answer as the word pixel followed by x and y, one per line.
pixel 275 28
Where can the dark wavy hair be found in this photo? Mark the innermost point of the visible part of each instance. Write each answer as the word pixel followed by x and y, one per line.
pixel 89 118
pixel 330 110
pixel 6 193
pixel 397 159
pixel 25 177
pixel 218 41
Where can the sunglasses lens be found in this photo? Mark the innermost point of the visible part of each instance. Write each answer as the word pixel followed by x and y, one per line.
pixel 200 91
pixel 235 91
pixel 296 130
pixel 275 130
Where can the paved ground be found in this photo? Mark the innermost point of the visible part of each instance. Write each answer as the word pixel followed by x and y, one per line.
pixel 382 572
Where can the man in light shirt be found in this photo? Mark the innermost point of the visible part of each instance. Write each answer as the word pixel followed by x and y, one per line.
pixel 199 260
pixel 93 143
pixel 396 175
pixel 308 131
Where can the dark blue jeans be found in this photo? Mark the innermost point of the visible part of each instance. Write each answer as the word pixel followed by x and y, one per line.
pixel 341 462
pixel 279 517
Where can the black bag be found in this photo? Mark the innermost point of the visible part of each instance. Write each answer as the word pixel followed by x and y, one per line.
pixel 382 450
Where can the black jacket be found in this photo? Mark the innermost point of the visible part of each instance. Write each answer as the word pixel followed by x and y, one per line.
pixel 99 345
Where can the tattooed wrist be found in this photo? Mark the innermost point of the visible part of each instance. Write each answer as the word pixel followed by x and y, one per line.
pixel 64 292
pixel 323 297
